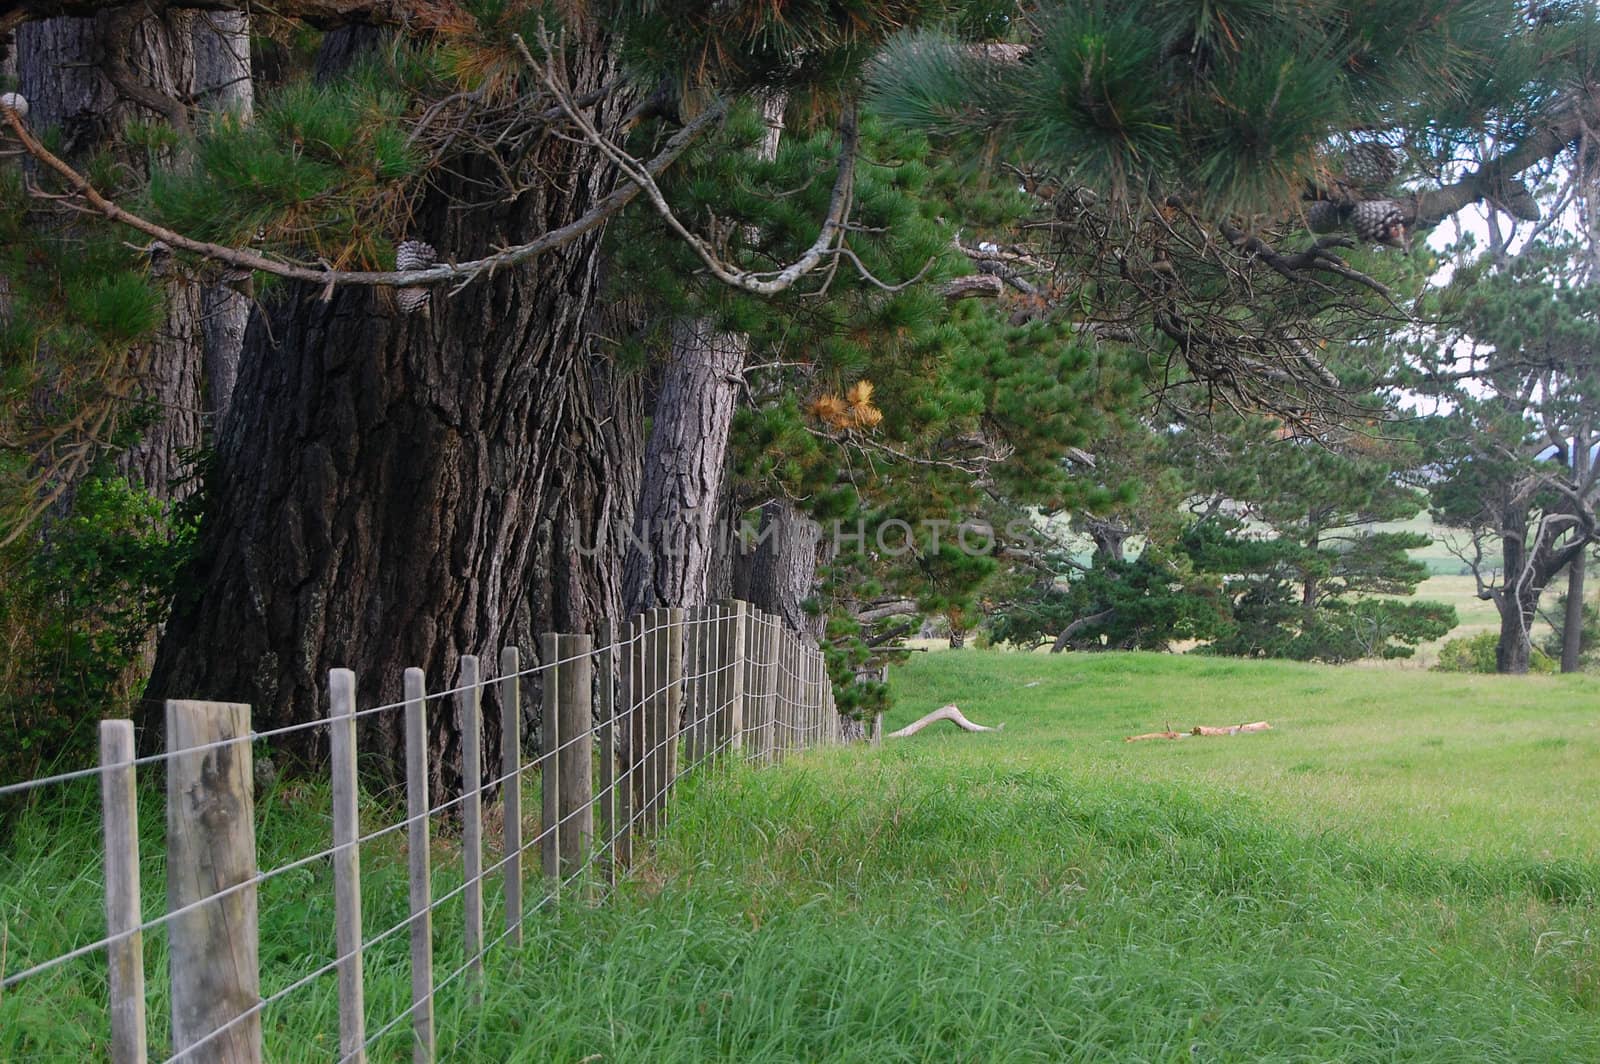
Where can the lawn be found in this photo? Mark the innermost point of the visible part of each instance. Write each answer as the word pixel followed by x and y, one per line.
pixel 1406 868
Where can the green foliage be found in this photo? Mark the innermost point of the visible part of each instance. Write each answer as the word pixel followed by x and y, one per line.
pixel 326 168
pixel 783 45
pixel 947 382
pixel 1147 603
pixel 81 311
pixel 1230 103
pixel 76 611
pixel 1588 639
pixel 1477 654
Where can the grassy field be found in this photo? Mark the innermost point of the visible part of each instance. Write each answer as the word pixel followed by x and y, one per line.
pixel 1406 868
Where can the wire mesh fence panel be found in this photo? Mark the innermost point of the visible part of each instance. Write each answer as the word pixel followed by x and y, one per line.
pixel 624 718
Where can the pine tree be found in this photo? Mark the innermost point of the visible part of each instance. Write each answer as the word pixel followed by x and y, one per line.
pixel 1292 530
pixel 1515 455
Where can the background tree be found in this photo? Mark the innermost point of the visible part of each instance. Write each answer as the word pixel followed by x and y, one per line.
pixel 1514 454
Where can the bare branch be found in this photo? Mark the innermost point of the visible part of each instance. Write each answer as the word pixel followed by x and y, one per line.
pixel 763 283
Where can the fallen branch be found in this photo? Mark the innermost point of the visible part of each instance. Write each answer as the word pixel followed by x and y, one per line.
pixel 1156 735
pixel 1235 729
pixel 949 713
pixel 1202 730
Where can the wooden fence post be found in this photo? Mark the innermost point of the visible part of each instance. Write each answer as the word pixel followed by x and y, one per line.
pixel 711 664
pixel 752 682
pixel 773 685
pixel 791 692
pixel 780 688
pixel 801 671
pixel 119 813
pixel 346 864
pixel 419 865
pixel 706 620
pixel 211 846
pixel 469 709
pixel 729 731
pixel 630 740
pixel 837 733
pixel 819 696
pixel 575 804
pixel 695 687
pixel 659 629
pixel 672 706
pixel 549 760
pixel 813 698
pixel 510 686
pixel 642 711
pixel 606 711
pixel 809 702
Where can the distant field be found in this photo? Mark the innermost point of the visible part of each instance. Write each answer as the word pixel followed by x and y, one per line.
pixel 1458 765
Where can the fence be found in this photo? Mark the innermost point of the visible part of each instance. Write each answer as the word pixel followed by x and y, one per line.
pixel 672 692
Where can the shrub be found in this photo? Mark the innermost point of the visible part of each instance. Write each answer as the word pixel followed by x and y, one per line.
pixel 1476 654
pixel 78 605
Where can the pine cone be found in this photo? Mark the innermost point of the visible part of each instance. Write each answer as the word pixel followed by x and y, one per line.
pixel 1324 216
pixel 1369 164
pixel 1379 222
pixel 413 255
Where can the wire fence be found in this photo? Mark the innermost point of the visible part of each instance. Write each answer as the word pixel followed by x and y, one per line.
pixel 623 719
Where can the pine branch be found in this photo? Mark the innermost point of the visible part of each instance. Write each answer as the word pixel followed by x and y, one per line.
pixel 1565 127
pixel 321 14
pixel 828 245
pixel 460 273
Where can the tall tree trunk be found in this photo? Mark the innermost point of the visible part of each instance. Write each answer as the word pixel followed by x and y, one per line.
pixel 398 490
pixel 727 576
pixel 1572 628
pixel 1572 625
pixel 90 77
pixel 783 570
pixel 1514 652
pixel 1516 600
pixel 673 545
pixel 222 84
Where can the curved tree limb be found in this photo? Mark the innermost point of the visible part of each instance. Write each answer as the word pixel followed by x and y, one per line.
pixel 460 273
pixel 950 713
pixel 764 283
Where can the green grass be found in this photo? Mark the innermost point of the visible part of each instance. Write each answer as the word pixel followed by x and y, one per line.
pixel 1406 868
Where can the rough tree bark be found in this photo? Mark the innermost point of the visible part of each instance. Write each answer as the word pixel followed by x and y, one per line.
pixel 89 77
pixel 674 546
pixel 222 83
pixel 1517 602
pixel 1572 623
pixel 398 490
pixel 1110 537
pixel 783 570
pixel 1528 569
pixel 671 551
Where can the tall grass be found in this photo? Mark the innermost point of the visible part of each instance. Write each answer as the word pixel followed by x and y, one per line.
pixel 1336 889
